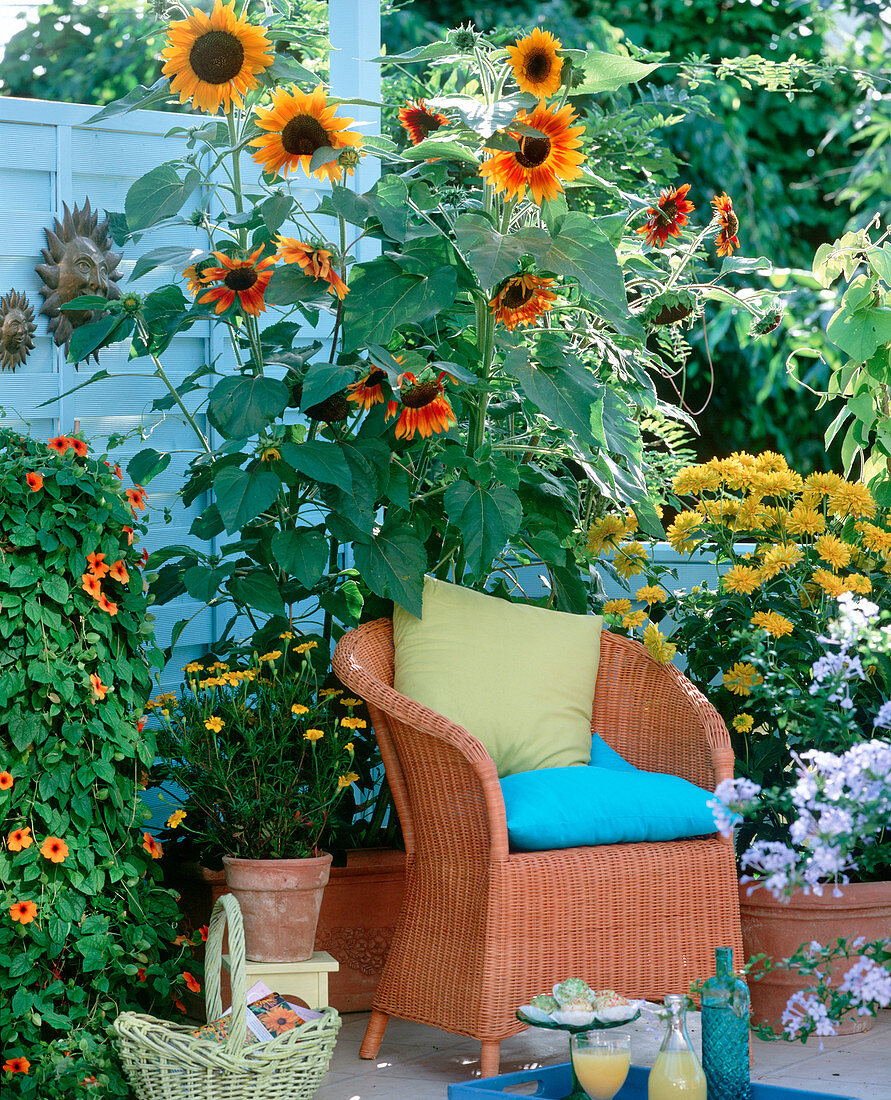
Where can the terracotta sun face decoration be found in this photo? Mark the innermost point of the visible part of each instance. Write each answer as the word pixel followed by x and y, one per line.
pixel 16 330
pixel 78 261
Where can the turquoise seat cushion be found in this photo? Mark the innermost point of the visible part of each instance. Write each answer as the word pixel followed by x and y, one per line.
pixel 582 806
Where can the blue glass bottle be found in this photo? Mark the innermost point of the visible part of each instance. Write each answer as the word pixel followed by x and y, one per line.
pixel 725 1032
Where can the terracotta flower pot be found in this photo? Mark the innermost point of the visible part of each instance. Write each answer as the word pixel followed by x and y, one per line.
pixel 280 901
pixel 778 930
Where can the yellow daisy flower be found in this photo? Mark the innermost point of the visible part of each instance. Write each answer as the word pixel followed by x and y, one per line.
pixel 804 520
pixel 214 724
pixel 299 708
pixel 346 780
pixel 680 532
pixel 606 532
pixel 651 593
pixel 630 559
pixel 617 607
pixel 834 551
pixel 741 677
pixel 775 624
pixel 742 723
pixel 353 723
pixel 313 735
pixel 175 819
pixel 852 499
pixel 741 579
pixel 829 582
pixel 661 650
pixel 633 620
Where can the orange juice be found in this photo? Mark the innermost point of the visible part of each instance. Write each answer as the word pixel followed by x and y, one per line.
pixel 601 1072
pixel 676 1075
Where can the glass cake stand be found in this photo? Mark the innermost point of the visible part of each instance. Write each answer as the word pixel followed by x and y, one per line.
pixel 577 1093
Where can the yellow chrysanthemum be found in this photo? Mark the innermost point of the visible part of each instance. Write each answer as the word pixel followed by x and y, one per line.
pixel 630 559
pixel 661 650
pixel 742 723
pixel 296 126
pixel 874 538
pixel 606 532
pixel 693 480
pixel 651 593
pixel 213 59
pixel 780 557
pixel 353 723
pixel 859 583
pixel 741 579
pixel 852 499
pixel 776 483
pixel 829 582
pixel 299 708
pixel 680 532
pixel 770 462
pixel 536 65
pixel 176 819
pixel 741 677
pixel 822 484
pixel 775 624
pixel 617 607
pixel 634 619
pixel 804 520
pixel 834 551
pixel 313 735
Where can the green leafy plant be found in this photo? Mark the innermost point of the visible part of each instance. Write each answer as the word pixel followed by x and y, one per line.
pixel 85 928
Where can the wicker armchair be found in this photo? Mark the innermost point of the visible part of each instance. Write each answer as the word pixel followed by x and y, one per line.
pixel 484 929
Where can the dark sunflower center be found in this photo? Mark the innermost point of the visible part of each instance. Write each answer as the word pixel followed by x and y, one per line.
pixel 538 65
pixel 731 223
pixel 375 379
pixel 533 151
pixel 425 393
pixel 427 123
pixel 517 294
pixel 216 57
pixel 241 278
pixel 303 135
pixel 668 210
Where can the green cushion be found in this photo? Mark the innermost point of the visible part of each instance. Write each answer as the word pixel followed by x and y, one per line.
pixel 519 678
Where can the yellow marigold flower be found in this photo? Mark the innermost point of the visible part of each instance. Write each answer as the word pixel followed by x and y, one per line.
pixel 349 746
pixel 349 701
pixel 741 677
pixel 193 667
pixel 661 650
pixel 346 780
pixel 859 583
pixel 829 582
pixel 776 483
pixel 823 484
pixel 176 819
pixel 874 538
pixel 737 471
pixel 680 533
pixel 742 723
pixel 782 556
pixel 651 593
pixel 353 723
pixel 617 607
pixel 804 520
pixel 630 560
pixel 742 579
pixel 214 724
pixel 273 655
pixel 313 735
pixel 748 518
pixel 852 499
pixel 305 647
pixel 633 620
pixel 299 708
pixel 833 550
pixel 606 532
pixel 775 624
pixel 287 636
pixel 327 692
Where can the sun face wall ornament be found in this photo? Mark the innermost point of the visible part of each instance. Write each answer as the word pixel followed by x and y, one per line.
pixel 78 261
pixel 16 330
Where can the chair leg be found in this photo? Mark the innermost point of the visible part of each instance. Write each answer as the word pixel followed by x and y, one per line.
pixel 490 1056
pixel 374 1033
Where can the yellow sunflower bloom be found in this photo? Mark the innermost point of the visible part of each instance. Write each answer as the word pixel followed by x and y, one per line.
pixel 680 532
pixel 829 582
pixel 741 579
pixel 661 650
pixel 742 723
pixel 607 532
pixel 297 125
pixel 537 68
pixel 634 619
pixel 834 551
pixel 540 163
pixel 617 607
pixel 651 593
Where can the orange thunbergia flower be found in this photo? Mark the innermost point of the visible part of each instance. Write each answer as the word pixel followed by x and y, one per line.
pixel 100 690
pixel 179 1005
pixel 243 279
pixel 202 932
pixel 6 780
pixel 97 564
pixel 540 162
pixel 136 497
pixel 105 604
pixel 143 560
pixel 537 68
pixel 197 279
pixel 78 446
pixel 140 974
pixel 91 584
pixel 369 391
pixel 192 982
pixel 118 572
pixel 667 216
pixel 118 472
pixel 425 409
pixel 726 240
pixel 151 845
pixel 54 849
pixel 314 261
pixel 419 121
pixel 19 839
pixel 522 298
pixel 17 1065
pixel 60 444
pixel 297 125
pixel 214 59
pixel 128 531
pixel 23 911
pixel 35 482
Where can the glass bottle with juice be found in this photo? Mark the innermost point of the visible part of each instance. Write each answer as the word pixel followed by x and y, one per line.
pixel 676 1073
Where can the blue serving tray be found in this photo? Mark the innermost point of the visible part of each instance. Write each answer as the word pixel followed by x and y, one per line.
pixel 555 1082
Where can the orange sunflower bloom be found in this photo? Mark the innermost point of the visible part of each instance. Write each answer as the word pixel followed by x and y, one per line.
pixel 192 982
pixel 78 446
pixel 537 68
pixel 314 261
pixel 419 121
pixel 91 584
pixel 151 845
pixel 54 849
pixel 97 564
pixel 59 444
pixel 6 780
pixel 667 216
pixel 23 911
pixel 196 277
pixel 425 409
pixel 540 162
pixel 136 498
pixel 17 1065
pixel 369 391
pixel 118 572
pixel 105 604
pixel 243 279
pixel 34 482
pixel 100 690
pixel 522 298
pixel 726 240
pixel 297 125
pixel 19 839
pixel 214 59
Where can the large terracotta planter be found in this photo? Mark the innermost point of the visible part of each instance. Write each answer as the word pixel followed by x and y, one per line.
pixel 779 929
pixel 358 918
pixel 280 901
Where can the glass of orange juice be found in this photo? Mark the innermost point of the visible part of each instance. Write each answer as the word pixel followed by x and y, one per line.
pixel 600 1061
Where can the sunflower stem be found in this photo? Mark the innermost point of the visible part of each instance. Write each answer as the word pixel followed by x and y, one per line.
pixel 685 259
pixel 162 374
pixel 236 173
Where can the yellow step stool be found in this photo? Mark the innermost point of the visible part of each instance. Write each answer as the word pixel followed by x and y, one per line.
pixel 307 980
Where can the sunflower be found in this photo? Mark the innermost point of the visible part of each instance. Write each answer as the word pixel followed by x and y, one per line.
pixel 667 216
pixel 741 579
pixel 313 261
pixel 617 607
pixel 425 409
pixel 852 499
pixel 419 121
pixel 369 391
pixel 245 279
pixel 661 650
pixel 520 299
pixel 680 534
pixel 537 68
pixel 833 550
pixel 196 277
pixel 726 240
pixel 298 124
pixel 214 59
pixel 540 162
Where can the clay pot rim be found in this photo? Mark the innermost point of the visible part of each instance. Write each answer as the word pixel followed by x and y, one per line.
pixel 854 895
pixel 243 861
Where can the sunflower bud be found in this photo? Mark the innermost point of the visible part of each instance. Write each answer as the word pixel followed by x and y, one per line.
pixel 349 158
pixel 464 38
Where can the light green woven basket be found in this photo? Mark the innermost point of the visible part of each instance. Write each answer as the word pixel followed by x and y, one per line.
pixel 165 1061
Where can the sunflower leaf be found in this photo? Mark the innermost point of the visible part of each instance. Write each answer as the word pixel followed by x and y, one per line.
pixel 243 494
pixel 442 147
pixel 606 72
pixel 302 553
pixel 392 564
pixel 157 195
pixel 486 518
pixel 137 100
pixel 492 255
pixel 323 155
pixel 484 119
pixel 241 405
pixel 171 256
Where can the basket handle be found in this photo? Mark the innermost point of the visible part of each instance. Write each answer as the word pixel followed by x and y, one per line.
pixel 226 911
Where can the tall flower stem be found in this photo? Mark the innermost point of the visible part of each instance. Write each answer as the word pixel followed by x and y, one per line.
pixel 162 374
pixel 694 244
pixel 236 172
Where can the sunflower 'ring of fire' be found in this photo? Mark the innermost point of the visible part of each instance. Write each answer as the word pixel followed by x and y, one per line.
pixel 521 299
pixel 540 162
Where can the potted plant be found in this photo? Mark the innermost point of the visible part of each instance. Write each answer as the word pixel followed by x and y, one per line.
pixel 265 759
